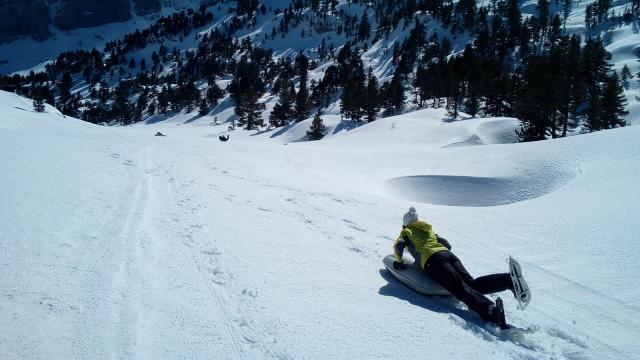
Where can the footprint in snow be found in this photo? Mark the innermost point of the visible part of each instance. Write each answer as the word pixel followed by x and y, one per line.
pixel 253 294
pixel 211 252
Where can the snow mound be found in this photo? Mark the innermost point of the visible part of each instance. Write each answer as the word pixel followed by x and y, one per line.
pixel 475 191
pixel 490 131
pixel 433 127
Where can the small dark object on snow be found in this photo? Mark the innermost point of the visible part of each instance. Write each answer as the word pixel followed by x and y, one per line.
pixel 223 138
pixel 160 134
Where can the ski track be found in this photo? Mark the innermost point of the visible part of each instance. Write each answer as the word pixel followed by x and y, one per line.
pixel 128 281
pixel 222 321
pixel 175 195
pixel 199 244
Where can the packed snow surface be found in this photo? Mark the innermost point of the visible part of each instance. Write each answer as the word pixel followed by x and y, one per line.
pixel 115 243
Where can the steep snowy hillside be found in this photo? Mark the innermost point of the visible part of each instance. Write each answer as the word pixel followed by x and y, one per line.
pixel 479 58
pixel 117 243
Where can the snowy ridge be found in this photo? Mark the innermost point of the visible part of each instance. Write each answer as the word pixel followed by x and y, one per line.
pixel 117 243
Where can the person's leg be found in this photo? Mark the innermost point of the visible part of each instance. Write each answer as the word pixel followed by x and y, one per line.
pixel 485 284
pixel 493 283
pixel 440 267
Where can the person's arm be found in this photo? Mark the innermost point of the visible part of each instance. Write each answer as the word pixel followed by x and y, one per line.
pixel 398 250
pixel 443 241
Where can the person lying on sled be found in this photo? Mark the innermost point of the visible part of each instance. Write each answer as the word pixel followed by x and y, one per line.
pixel 433 254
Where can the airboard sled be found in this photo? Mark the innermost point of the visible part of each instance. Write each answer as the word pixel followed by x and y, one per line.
pixel 415 278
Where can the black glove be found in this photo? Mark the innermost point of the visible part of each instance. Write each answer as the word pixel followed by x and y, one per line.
pixel 399 265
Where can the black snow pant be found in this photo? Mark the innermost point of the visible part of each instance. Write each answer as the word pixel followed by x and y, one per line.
pixel 445 268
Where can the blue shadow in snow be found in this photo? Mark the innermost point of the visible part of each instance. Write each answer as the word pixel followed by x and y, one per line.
pixel 158 118
pixel 346 126
pixel 449 305
pixel 282 130
pixel 193 118
pixel 439 304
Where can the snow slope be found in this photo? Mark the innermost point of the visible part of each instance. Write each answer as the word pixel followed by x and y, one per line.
pixel 118 244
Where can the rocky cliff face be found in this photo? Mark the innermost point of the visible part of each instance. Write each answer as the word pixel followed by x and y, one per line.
pixel 21 18
pixel 146 7
pixel 75 14
pixel 24 18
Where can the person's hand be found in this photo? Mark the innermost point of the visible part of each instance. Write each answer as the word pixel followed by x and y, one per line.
pixel 399 265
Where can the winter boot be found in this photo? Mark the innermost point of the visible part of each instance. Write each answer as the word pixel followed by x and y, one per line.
pixel 497 313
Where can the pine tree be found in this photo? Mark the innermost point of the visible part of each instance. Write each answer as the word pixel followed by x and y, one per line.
pixel 613 103
pixel 163 100
pixel 142 104
pixel 543 14
pixel 38 99
pixel 203 107
pixel 625 75
pixel 246 7
pixel 594 114
pixel 352 101
pixel 151 109
pixel 121 109
pixel 472 102
pixel 594 64
pixel 302 97
pixel 372 99
pixel 364 28
pixel 572 87
pixel 394 95
pixel 65 87
pixel 536 105
pixel 316 131
pixel 283 112
pixel 514 18
pixel 249 111
pixel 214 93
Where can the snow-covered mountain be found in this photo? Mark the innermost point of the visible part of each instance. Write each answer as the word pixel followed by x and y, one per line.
pixel 308 31
pixel 117 243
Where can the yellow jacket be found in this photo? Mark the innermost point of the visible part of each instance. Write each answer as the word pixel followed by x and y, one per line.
pixel 421 241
